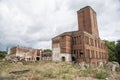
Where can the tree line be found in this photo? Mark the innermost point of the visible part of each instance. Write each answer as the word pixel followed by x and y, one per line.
pixel 113 50
pixel 2 54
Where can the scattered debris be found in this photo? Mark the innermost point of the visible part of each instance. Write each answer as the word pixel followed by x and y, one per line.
pixel 100 63
pixel 113 66
pixel 83 65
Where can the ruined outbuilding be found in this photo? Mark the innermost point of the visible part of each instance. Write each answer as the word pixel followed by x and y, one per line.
pixel 28 54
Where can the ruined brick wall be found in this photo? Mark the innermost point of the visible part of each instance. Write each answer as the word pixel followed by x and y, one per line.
pixel 28 53
pixel 88 48
pixel 13 50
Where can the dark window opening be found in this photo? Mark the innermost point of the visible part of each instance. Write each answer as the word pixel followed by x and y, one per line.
pixel 63 58
pixel 81 53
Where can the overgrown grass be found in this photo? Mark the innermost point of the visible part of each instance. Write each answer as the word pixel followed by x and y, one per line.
pixel 52 71
pixel 102 75
pixel 49 74
pixel 63 71
pixel 86 73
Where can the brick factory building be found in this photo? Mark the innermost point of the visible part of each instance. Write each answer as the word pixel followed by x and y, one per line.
pixel 83 45
pixel 29 54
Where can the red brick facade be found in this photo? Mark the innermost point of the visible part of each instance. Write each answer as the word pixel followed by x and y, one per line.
pixel 83 45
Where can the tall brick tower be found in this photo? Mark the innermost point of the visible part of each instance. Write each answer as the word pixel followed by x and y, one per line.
pixel 87 20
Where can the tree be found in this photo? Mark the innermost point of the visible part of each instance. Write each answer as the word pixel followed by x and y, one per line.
pixel 47 50
pixel 118 51
pixel 111 50
pixel 2 54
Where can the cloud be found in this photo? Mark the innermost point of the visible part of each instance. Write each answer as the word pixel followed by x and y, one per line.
pixel 33 23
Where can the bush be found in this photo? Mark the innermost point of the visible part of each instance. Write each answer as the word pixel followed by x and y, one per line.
pixel 101 75
pixel 2 54
pixel 87 72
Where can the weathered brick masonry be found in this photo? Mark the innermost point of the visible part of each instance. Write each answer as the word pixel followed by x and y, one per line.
pixel 83 45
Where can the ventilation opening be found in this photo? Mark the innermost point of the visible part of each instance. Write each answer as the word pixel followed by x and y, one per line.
pixel 63 58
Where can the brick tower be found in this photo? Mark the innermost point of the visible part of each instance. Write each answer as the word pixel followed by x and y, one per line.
pixel 87 21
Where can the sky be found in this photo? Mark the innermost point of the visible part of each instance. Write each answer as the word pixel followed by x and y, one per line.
pixel 33 23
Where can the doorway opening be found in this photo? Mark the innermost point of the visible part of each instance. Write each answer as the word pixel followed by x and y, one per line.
pixel 73 58
pixel 37 58
pixel 63 58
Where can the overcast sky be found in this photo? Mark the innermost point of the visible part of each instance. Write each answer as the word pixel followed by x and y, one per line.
pixel 32 23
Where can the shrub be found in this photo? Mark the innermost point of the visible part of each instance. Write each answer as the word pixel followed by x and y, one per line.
pixel 2 54
pixel 87 72
pixel 101 75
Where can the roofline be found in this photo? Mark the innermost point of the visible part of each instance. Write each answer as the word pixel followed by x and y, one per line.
pixel 85 8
